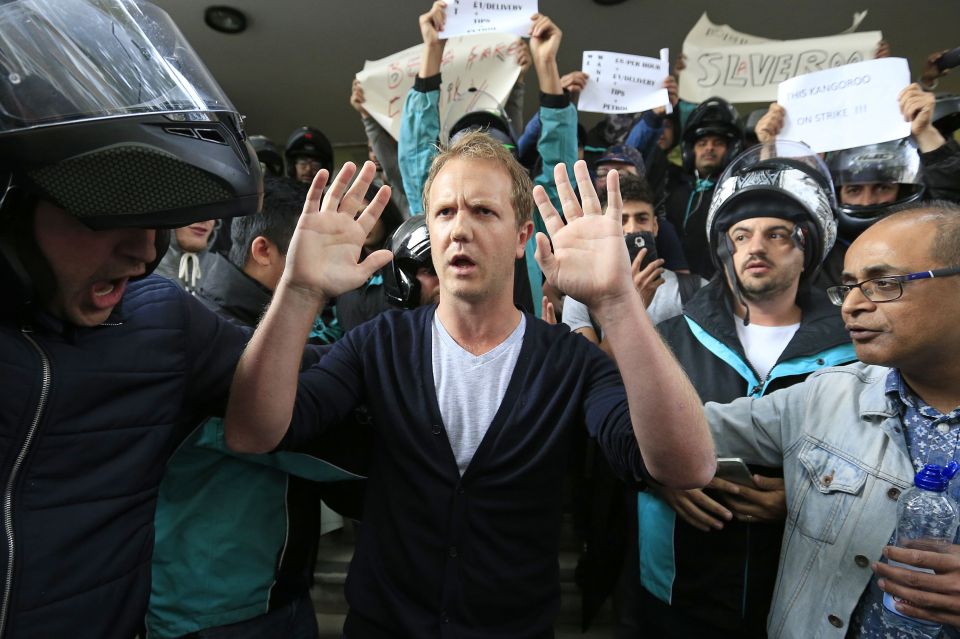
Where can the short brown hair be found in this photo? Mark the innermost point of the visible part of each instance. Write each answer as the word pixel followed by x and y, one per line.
pixel 477 145
pixel 633 188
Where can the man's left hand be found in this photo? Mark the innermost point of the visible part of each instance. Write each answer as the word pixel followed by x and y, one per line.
pixel 934 597
pixel 589 260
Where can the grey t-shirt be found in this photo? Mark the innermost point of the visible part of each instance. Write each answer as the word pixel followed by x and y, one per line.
pixel 470 387
pixel 665 304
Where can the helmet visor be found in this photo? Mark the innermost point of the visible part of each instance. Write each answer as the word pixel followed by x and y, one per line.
pixel 71 60
pixel 895 162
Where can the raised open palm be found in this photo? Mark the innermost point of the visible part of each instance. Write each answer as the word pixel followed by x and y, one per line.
pixel 324 253
pixel 589 260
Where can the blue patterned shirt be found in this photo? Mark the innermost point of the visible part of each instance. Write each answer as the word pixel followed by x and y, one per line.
pixel 931 437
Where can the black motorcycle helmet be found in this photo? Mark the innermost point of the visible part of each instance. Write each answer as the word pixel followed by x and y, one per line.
pixel 410 245
pixel 714 116
pixel 107 112
pixel 946 114
pixel 784 180
pixel 895 162
pixel 308 142
pixel 271 160
pixel 477 110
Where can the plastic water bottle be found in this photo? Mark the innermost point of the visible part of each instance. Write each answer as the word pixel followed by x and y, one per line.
pixel 927 519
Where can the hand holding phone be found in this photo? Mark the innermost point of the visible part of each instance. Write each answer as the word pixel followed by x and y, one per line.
pixel 641 240
pixel 735 470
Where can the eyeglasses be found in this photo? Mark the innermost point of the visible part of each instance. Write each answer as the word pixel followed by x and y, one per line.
pixel 885 289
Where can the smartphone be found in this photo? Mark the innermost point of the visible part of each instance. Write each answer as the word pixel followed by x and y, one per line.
pixel 639 240
pixel 949 59
pixel 734 469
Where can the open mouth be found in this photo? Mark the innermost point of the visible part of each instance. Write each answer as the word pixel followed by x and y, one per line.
pixel 462 262
pixel 107 293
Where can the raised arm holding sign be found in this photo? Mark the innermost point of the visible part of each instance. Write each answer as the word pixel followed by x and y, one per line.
pixel 471 17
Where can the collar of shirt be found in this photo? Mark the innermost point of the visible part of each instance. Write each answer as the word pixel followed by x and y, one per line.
pixel 927 431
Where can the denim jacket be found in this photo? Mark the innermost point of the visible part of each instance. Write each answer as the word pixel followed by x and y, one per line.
pixel 845 463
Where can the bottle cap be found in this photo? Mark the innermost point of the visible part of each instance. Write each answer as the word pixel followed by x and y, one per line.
pixel 936 478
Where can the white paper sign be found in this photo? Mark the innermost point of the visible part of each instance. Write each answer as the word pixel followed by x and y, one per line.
pixel 706 34
pixel 744 68
pixel 485 62
pixel 849 106
pixel 623 83
pixel 470 17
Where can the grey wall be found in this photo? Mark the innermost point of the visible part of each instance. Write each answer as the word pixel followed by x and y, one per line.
pixel 295 63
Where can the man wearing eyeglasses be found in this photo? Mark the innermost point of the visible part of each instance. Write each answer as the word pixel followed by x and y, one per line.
pixel 851 438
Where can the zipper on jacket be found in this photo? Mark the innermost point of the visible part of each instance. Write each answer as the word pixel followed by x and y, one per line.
pixel 11 480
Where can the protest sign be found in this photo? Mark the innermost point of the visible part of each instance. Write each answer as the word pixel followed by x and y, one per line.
pixel 739 67
pixel 623 83
pixel 487 63
pixel 849 106
pixel 471 17
pixel 706 34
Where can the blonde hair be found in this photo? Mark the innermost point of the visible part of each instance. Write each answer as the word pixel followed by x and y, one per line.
pixel 477 145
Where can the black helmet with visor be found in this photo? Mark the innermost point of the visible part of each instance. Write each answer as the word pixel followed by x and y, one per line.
pixel 107 112
pixel 895 163
pixel 780 179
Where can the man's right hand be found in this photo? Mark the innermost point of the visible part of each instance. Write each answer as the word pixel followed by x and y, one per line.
pixel 770 125
pixel 648 279
pixel 357 98
pixel 574 82
pixel 670 84
pixel 323 258
pixel 695 507
pixel 431 24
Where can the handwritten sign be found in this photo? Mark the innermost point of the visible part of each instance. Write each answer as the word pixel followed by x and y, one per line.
pixel 623 83
pixel 484 62
pixel 471 17
pixel 744 68
pixel 706 34
pixel 850 106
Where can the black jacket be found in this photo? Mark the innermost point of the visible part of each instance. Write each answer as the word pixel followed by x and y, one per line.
pixel 88 419
pixel 724 579
pixel 683 197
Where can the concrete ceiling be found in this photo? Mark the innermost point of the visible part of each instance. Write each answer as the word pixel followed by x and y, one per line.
pixel 295 62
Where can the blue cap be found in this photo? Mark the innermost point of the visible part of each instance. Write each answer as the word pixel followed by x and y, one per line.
pixel 935 478
pixel 626 154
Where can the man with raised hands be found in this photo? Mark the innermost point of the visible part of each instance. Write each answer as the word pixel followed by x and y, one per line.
pixel 473 402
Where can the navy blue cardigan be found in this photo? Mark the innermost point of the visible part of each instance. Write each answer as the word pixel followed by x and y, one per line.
pixel 443 556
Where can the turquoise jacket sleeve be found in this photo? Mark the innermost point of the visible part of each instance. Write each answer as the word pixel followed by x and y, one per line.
pixel 419 132
pixel 557 143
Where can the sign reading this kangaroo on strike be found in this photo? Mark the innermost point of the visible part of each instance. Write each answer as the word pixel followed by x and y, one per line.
pixel 853 105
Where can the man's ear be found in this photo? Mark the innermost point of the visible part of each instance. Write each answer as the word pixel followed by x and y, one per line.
pixel 524 233
pixel 262 251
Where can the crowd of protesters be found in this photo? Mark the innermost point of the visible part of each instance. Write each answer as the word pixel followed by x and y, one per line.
pixel 215 349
